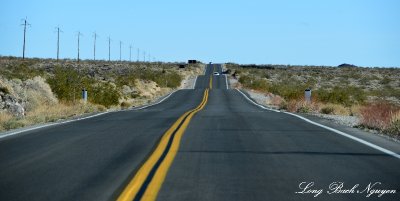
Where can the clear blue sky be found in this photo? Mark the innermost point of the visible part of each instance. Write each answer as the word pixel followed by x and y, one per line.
pixel 306 32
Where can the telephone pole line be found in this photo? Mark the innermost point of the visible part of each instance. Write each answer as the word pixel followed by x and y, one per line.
pixel 138 52
pixel 94 45
pixel 120 45
pixel 23 47
pixel 58 41
pixel 130 53
pixel 144 56
pixel 79 34
pixel 109 48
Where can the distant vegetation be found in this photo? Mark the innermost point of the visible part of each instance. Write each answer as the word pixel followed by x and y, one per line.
pixel 44 90
pixel 346 89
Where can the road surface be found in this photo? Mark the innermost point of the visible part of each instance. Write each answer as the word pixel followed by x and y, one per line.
pixel 225 149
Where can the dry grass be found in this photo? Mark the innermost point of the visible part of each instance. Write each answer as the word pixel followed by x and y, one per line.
pixel 302 106
pixel 378 115
pixel 336 109
pixel 394 128
pixel 4 117
pixel 47 113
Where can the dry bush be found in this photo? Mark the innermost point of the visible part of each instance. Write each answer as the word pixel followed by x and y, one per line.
pixel 378 115
pixel 275 100
pixel 4 117
pixel 47 113
pixel 302 106
pixel 336 109
pixel 51 113
pixel 394 128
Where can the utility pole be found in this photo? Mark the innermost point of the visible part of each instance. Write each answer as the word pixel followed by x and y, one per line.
pixel 94 45
pixel 149 58
pixel 109 48
pixel 120 45
pixel 144 56
pixel 58 41
pixel 23 47
pixel 130 53
pixel 79 34
pixel 138 52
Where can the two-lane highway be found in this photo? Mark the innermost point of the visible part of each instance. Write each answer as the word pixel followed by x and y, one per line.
pixel 209 143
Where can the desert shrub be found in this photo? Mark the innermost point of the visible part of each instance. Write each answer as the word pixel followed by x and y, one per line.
pixel 334 109
pixel 125 105
pixel 288 90
pixel 104 94
pixel 378 115
pixel 66 84
pixel 386 91
pixel 170 79
pixel 4 90
pixel 385 81
pixel 327 110
pixel 13 124
pixel 254 83
pixel 394 127
pixel 163 78
pixel 21 71
pixel 341 95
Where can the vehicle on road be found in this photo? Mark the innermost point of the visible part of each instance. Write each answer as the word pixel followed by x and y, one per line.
pixel 216 73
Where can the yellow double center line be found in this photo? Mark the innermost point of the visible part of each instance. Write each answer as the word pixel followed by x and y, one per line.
pixel 147 182
pixel 210 85
pixel 211 76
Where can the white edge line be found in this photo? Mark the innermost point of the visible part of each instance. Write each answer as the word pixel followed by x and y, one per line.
pixel 194 84
pixel 391 153
pixel 265 108
pixel 50 124
pixel 78 119
pixel 146 106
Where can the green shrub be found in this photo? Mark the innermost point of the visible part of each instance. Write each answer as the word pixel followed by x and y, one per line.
pixel 13 124
pixel 4 90
pixel 125 105
pixel 341 95
pixel 22 71
pixel 254 83
pixel 66 84
pixel 327 110
pixel 288 90
pixel 103 94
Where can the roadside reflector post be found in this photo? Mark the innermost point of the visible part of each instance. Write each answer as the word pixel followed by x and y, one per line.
pixel 84 95
pixel 307 95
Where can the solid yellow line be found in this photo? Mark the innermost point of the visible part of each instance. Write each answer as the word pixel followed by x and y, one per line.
pixel 134 185
pixel 155 185
pixel 210 81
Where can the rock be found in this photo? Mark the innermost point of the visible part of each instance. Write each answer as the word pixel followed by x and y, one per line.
pixel 11 104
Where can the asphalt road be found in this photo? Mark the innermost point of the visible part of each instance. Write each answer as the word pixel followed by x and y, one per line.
pixel 231 150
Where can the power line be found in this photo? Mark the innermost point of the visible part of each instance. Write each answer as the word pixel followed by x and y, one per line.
pixel 23 47
pixel 109 48
pixel 79 35
pixel 138 52
pixel 58 41
pixel 120 45
pixel 94 45
pixel 130 53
